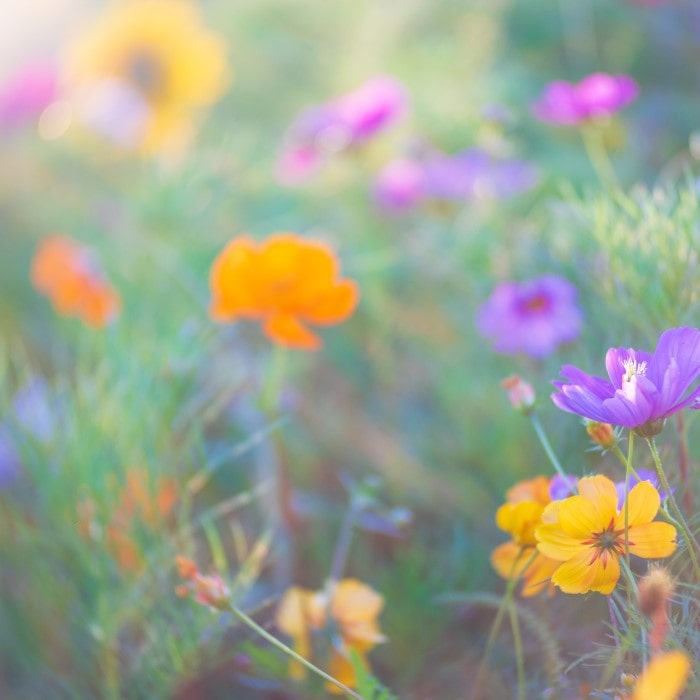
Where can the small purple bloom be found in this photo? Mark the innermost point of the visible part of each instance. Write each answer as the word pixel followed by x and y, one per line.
pixel 533 317
pixel 27 93
pixel 644 388
pixel 644 475
pixel 562 487
pixel 399 186
pixel 598 95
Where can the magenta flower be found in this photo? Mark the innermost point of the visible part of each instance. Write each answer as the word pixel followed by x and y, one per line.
pixel 27 93
pixel 598 95
pixel 644 388
pixel 532 317
pixel 400 185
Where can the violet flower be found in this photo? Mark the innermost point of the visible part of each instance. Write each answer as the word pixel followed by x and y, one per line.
pixel 644 388
pixel 399 186
pixel 598 95
pixel 561 487
pixel 532 317
pixel 644 475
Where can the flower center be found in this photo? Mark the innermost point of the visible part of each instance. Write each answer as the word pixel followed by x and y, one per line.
pixel 633 367
pixel 538 303
pixel 146 72
pixel 608 541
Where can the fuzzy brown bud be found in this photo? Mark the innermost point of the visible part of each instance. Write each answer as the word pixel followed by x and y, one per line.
pixel 602 434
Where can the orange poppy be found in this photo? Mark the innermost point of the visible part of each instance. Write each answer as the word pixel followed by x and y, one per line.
pixel 69 275
pixel 284 282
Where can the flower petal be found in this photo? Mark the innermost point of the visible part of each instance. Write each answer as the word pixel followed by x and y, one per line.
pixel 554 543
pixel 334 305
pixel 653 540
pixel 664 678
pixel 643 503
pixel 288 331
pixel 577 574
pixel 601 492
pixel 607 572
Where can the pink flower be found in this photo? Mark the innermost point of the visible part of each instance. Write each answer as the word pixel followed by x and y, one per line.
pixel 27 93
pixel 598 95
pixel 400 185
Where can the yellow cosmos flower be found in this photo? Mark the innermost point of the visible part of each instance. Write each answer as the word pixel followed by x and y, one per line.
pixel 587 534
pixel 143 71
pixel 353 608
pixel 664 678
pixel 520 516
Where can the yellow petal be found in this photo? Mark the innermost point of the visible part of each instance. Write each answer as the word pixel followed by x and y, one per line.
pixel 664 678
pixel 508 559
pixel 601 492
pixel 652 540
pixel 291 615
pixel 577 574
pixel 580 518
pixel 606 570
pixel 538 575
pixel 355 601
pixel 643 503
pixel 520 520
pixel 554 543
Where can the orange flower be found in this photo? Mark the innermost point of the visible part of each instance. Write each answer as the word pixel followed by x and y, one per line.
pixel 664 678
pixel 284 282
pixel 520 516
pixel 353 608
pixel 207 590
pixel 68 274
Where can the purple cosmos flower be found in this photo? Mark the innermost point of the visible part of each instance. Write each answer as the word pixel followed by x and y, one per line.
pixel 476 174
pixel 561 487
pixel 400 185
pixel 533 317
pixel 27 93
pixel 598 95
pixel 644 388
pixel 644 475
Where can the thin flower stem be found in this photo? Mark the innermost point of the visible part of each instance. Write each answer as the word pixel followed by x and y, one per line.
pixel 618 453
pixel 544 441
pixel 682 524
pixel 496 626
pixel 598 156
pixel 628 471
pixel 683 462
pixel 518 644
pixel 250 623
pixel 342 545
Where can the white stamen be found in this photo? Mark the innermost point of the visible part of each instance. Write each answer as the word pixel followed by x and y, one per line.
pixel 633 367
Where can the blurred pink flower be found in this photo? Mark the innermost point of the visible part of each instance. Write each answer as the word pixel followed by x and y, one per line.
pixel 532 317
pixel 598 95
pixel 400 185
pixel 332 127
pixel 27 93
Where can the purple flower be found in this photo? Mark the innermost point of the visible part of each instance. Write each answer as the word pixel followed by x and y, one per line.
pixel 400 185
pixel 644 388
pixel 644 475
pixel 27 93
pixel 598 95
pixel 476 174
pixel 533 317
pixel 562 487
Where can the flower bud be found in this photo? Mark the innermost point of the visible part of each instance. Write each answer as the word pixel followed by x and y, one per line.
pixel 655 591
pixel 520 394
pixel 602 434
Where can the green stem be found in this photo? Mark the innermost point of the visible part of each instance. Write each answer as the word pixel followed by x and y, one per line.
pixel 628 471
pixel 544 441
pixel 618 453
pixel 250 623
pixel 598 156
pixel 682 524
pixel 518 644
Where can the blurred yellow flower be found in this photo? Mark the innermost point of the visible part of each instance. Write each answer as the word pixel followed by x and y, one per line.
pixel 519 517
pixel 351 606
pixel 586 533
pixel 144 69
pixel 664 678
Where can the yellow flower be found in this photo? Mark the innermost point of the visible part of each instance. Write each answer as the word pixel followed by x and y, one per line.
pixel 353 608
pixel 520 516
pixel 587 534
pixel 664 678
pixel 144 69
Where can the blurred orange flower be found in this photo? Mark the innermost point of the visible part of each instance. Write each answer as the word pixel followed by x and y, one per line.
pixel 519 517
pixel 144 69
pixel 664 678
pixel 69 275
pixel 286 283
pixel 351 607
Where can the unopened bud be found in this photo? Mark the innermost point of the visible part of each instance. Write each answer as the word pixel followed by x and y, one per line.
pixel 602 434
pixel 655 590
pixel 520 394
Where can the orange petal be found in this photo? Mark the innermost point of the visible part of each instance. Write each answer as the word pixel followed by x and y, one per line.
pixel 288 331
pixel 554 543
pixel 354 601
pixel 577 574
pixel 664 678
pixel 601 492
pixel 333 305
pixel 579 517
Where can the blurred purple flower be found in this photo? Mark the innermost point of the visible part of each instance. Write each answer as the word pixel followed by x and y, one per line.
pixel 598 95
pixel 27 93
pixel 644 475
pixel 644 388
pixel 331 127
pixel 400 185
pixel 561 487
pixel 533 317
pixel 33 411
